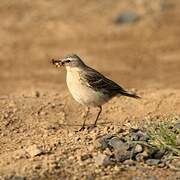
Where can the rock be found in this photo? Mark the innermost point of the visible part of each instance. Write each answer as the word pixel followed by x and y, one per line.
pixel 153 161
pixel 120 149
pixel 108 152
pixel 117 144
pixel 123 155
pixel 103 142
pixel 37 94
pixel 139 136
pixel 102 160
pixel 141 157
pixel 143 136
pixel 138 148
pixel 34 150
pixel 126 17
pixel 134 137
pixel 159 154
pixel 161 165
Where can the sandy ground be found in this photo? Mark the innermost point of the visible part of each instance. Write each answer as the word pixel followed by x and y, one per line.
pixel 35 106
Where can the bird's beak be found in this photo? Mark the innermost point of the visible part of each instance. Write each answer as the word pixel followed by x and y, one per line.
pixel 58 62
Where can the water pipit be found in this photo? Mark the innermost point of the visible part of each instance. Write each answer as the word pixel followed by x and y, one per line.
pixel 89 87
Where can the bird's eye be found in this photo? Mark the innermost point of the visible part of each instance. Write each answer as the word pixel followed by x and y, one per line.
pixel 68 61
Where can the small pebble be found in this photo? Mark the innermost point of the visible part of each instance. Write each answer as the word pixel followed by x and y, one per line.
pixel 34 150
pixel 37 94
pixel 102 160
pixel 140 157
pixel 138 148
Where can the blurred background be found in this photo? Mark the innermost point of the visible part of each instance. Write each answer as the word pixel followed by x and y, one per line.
pixel 134 42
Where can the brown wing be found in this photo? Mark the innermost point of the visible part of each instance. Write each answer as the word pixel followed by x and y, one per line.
pixel 99 82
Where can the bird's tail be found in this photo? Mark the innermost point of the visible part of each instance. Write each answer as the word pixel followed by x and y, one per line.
pixel 132 95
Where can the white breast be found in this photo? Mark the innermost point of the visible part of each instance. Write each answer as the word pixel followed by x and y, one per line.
pixel 81 93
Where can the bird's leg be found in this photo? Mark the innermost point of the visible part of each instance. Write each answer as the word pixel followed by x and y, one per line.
pixel 100 110
pixel 85 117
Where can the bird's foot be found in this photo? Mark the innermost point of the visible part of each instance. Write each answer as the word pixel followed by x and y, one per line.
pixel 91 127
pixel 81 129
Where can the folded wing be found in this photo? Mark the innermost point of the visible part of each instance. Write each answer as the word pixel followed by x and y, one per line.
pixel 99 82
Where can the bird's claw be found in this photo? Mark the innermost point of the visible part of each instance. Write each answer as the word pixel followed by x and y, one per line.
pixel 89 128
pixel 81 129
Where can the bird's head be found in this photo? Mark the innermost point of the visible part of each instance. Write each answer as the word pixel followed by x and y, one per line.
pixel 69 61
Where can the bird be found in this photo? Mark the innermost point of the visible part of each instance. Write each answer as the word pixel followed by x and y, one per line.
pixel 89 87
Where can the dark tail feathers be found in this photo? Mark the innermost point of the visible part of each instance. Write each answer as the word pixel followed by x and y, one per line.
pixel 131 95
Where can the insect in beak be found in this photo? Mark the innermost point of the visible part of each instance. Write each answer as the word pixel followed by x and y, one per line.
pixel 58 63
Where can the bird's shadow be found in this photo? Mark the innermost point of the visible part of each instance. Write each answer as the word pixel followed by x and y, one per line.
pixel 79 125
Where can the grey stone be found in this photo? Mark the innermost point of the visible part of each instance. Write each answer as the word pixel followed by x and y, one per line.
pixel 159 154
pixel 134 137
pixel 139 136
pixel 143 136
pixel 117 144
pixel 120 149
pixel 127 17
pixel 123 155
pixel 153 161
pixel 103 141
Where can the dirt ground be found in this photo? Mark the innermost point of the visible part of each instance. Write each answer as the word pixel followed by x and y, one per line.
pixel 38 117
